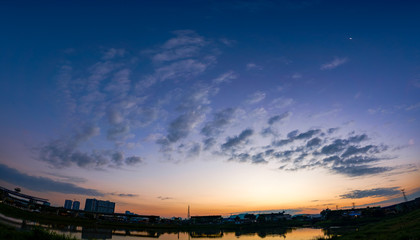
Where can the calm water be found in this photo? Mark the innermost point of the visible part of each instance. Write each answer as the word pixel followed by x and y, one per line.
pixel 91 233
pixel 293 234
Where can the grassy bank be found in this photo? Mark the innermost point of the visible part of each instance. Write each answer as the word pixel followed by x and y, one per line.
pixel 11 233
pixel 404 227
pixel 42 217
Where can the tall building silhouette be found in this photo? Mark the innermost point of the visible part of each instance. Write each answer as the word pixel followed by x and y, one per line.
pixel 76 205
pixel 94 205
pixel 67 204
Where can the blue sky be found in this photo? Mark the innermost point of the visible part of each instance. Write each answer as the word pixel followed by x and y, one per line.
pixel 130 101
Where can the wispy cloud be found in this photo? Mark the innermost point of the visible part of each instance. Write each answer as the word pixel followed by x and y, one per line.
pixel 225 77
pixel 375 192
pixel 256 97
pixel 413 107
pixel 278 118
pixel 164 198
pixel 297 76
pixel 334 63
pixel 282 102
pixel 253 66
pixel 66 178
pixel 124 195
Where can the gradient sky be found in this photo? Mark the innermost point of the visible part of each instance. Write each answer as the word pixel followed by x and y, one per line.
pixel 226 106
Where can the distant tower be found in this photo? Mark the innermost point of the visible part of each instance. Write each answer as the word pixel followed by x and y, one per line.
pixel 353 205
pixel 403 192
pixel 188 211
pixel 336 207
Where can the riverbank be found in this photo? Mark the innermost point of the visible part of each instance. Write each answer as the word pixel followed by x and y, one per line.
pixel 402 227
pixel 11 233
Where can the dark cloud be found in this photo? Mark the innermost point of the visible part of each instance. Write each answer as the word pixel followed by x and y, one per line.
pixel 181 126
pixel 242 157
pixel 292 134
pixel 344 156
pixel 133 160
pixel 332 130
pixel 332 159
pixel 282 142
pixel 313 142
pixel 164 198
pixel 278 118
pixel 375 192
pixel 194 108
pixel 85 133
pixel 340 144
pixel 64 152
pixel 220 120
pixel 268 131
pixel 337 146
pixel 269 152
pixel 234 141
pixel 360 160
pixel 360 170
pixel 258 158
pixel 352 150
pixel 194 150
pixel 358 138
pixel 127 195
pixel 117 158
pixel 60 154
pixel 118 131
pixel 208 143
pixel 284 156
pixel 307 134
pixel 42 184
pixel 301 157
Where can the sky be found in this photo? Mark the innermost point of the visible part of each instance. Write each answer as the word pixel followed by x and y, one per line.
pixel 226 106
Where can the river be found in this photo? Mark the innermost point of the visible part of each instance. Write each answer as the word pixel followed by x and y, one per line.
pixel 119 234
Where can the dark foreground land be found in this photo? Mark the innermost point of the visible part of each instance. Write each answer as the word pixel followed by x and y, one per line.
pixel 11 233
pixel 402 227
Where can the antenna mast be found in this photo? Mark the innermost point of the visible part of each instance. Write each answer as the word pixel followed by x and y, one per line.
pixel 403 192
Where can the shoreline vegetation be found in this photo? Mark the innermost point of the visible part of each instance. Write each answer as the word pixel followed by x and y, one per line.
pixel 11 233
pixel 401 226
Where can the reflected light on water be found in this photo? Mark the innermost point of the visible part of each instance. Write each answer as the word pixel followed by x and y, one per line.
pixel 291 234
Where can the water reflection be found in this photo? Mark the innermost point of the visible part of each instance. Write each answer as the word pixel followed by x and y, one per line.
pixel 125 234
pixel 294 234
pixel 96 233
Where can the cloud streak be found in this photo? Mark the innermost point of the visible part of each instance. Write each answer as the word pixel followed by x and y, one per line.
pixel 375 192
pixel 232 142
pixel 43 184
pixel 334 63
